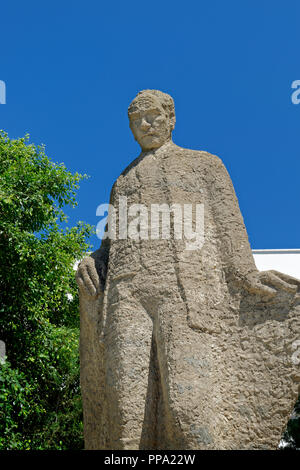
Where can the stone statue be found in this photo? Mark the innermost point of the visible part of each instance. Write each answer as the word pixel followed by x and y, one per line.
pixel 183 348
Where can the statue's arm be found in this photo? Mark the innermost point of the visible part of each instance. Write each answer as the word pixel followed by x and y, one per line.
pixel 234 245
pixel 91 277
pixel 237 258
pixel 92 270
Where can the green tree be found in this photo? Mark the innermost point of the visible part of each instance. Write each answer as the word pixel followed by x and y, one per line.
pixel 291 436
pixel 40 406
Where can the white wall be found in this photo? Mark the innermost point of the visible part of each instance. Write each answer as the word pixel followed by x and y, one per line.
pixel 285 261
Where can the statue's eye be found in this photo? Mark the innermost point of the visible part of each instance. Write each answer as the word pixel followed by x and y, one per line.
pixel 135 118
pixel 152 116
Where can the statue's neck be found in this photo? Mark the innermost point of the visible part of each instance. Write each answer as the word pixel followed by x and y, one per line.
pixel 158 150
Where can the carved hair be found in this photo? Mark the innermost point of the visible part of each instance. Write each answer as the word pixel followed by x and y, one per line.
pixel 165 100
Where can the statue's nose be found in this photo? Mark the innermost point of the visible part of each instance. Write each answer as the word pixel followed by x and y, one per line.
pixel 145 125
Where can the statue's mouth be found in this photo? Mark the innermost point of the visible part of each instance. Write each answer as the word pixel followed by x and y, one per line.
pixel 149 134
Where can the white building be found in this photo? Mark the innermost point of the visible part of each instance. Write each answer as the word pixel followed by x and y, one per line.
pixel 285 261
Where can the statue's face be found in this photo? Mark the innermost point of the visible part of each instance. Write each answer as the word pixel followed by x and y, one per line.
pixel 149 124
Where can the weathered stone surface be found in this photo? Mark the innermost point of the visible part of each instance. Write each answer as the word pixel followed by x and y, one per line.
pixel 184 349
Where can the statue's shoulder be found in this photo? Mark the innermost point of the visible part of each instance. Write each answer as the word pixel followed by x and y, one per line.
pixel 200 156
pixel 130 166
pixel 126 171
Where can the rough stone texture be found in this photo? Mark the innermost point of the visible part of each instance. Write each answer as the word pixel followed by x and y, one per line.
pixel 184 349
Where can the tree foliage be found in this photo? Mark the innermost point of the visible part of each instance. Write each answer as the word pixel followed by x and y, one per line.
pixel 40 405
pixel 291 436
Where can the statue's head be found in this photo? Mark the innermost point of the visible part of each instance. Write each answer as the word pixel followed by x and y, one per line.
pixel 152 118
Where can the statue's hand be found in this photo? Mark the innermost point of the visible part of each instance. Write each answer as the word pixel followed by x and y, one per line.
pixel 88 279
pixel 267 283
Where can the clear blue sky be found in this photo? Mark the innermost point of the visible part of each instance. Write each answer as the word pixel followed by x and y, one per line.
pixel 71 68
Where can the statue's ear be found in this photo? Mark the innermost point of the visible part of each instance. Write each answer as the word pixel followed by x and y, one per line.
pixel 172 122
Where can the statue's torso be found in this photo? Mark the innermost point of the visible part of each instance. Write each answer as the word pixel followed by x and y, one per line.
pixel 170 176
